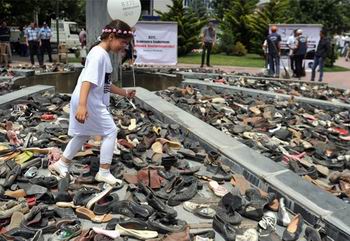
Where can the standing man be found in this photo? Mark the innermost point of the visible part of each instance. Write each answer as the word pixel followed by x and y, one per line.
pixel 5 38
pixel 320 55
pixel 291 43
pixel 273 44
pixel 45 36
pixel 300 52
pixel 82 37
pixel 208 42
pixel 33 42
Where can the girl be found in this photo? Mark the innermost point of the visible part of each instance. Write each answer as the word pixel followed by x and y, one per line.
pixel 89 115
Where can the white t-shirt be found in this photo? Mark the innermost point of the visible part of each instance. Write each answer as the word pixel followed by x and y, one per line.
pixel 291 42
pixel 97 71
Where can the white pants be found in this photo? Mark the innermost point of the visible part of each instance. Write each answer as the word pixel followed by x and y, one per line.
pixel 106 152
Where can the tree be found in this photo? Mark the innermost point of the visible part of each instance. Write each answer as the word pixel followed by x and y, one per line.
pixel 189 25
pixel 220 7
pixel 273 12
pixel 237 20
pixel 333 14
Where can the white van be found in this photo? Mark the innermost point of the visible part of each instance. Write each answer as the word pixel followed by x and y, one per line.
pixel 68 34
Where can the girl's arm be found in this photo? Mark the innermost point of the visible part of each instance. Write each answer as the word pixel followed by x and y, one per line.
pixel 123 92
pixel 82 114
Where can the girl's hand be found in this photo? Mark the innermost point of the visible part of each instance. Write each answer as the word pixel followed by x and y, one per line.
pixel 131 94
pixel 81 114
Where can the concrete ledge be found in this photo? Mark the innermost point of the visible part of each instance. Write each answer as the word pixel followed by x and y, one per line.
pixel 232 89
pixel 301 196
pixel 23 72
pixel 7 99
pixel 188 75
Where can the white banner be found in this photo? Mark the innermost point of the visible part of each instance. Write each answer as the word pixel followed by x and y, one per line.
pixel 156 43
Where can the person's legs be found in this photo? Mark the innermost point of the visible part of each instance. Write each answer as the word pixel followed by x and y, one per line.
pixel 314 66
pixel 61 167
pixel 277 62
pixel 271 65
pixel 321 64
pixel 106 155
pixel 42 50
pixel 9 51
pixel 49 51
pixel 298 65
pixel 209 47
pixel 203 54
pixel 39 55
pixel 31 52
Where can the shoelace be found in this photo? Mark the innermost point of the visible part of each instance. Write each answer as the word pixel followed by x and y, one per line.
pixel 266 222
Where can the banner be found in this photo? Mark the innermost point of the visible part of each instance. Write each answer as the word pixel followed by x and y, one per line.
pixel 156 43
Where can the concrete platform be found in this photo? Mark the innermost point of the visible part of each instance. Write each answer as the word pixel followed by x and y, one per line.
pixel 316 205
pixel 232 89
pixel 7 99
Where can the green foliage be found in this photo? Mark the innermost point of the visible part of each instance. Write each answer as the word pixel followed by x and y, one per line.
pixel 332 56
pixel 227 41
pixel 237 19
pixel 333 14
pixel 239 49
pixel 189 26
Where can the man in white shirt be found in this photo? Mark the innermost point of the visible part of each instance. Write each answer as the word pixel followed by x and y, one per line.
pixel 291 43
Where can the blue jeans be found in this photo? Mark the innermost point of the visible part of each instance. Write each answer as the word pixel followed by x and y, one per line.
pixel 317 61
pixel 274 64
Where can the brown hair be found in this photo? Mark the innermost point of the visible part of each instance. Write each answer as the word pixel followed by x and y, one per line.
pixel 117 28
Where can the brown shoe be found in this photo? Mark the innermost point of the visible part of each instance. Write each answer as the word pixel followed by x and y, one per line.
pixel 87 235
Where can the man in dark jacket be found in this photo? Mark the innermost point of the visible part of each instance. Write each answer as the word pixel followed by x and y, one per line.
pixel 5 34
pixel 299 53
pixel 273 44
pixel 320 55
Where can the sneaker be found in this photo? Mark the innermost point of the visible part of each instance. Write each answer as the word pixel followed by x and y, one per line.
pixel 267 224
pixel 110 179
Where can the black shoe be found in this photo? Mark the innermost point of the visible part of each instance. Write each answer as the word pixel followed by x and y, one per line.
pixel 81 198
pixel 48 182
pixel 105 205
pixel 312 234
pixel 294 228
pixel 187 193
pixel 226 230
pixel 11 176
pixel 156 203
pixel 228 216
pixel 169 190
pixel 164 225
pixel 132 209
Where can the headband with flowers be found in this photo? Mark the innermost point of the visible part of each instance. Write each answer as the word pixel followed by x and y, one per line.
pixel 108 30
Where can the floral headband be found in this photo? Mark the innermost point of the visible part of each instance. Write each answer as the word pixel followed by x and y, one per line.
pixel 107 30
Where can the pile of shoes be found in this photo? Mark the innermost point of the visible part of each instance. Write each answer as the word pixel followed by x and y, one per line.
pixel 310 90
pixel 312 141
pixel 163 170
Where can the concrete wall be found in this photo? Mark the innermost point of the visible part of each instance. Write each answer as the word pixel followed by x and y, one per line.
pixel 96 18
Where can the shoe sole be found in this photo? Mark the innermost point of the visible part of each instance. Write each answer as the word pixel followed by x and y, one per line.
pixel 116 185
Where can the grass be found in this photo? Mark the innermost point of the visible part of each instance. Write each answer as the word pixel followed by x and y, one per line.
pixel 250 60
pixel 336 68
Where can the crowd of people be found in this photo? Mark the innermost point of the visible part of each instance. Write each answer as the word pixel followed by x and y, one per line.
pixel 297 44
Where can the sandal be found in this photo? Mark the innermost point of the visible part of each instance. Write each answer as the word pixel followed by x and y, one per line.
pixel 89 215
pixel 218 190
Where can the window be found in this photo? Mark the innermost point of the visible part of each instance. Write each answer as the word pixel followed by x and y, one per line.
pixel 73 29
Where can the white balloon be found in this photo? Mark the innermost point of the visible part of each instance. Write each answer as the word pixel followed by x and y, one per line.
pixel 128 11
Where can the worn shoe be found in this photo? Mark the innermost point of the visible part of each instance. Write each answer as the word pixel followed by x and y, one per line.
pixel 110 179
pixel 226 230
pixel 293 231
